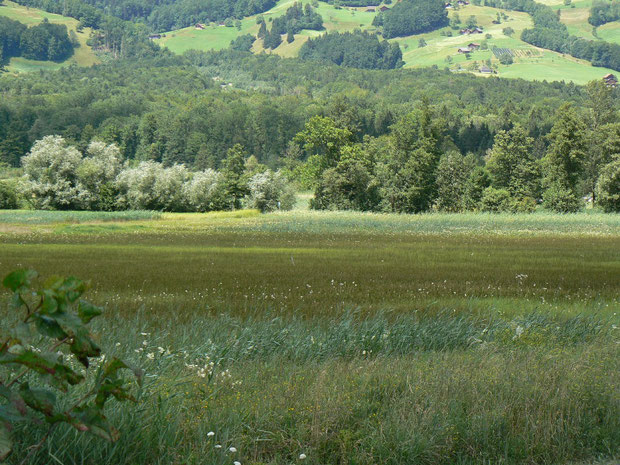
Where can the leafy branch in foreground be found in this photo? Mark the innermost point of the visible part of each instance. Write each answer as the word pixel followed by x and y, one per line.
pixel 44 359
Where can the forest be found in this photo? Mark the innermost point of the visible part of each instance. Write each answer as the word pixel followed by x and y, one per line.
pixel 603 12
pixel 353 49
pixel 41 42
pixel 361 139
pixel 409 17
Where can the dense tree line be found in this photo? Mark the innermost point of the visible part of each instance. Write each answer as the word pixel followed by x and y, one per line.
pixel 603 12
pixel 381 140
pixel 43 42
pixel 414 169
pixel 356 3
pixel 113 35
pixel 192 109
pixel 353 49
pixel 409 17
pixel 58 176
pixel 160 15
pixel 297 18
pixel 550 33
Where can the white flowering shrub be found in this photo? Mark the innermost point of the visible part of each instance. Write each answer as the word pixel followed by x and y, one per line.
pixel 97 176
pixel 151 186
pixel 50 175
pixel 270 191
pixel 204 192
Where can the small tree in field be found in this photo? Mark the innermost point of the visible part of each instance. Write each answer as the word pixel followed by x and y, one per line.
pixel 38 355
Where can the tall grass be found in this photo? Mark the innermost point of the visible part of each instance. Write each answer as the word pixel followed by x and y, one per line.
pixel 350 338
pixel 437 389
pixel 52 216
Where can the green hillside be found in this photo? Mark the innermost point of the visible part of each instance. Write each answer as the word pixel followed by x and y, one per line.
pixel 83 56
pixel 441 50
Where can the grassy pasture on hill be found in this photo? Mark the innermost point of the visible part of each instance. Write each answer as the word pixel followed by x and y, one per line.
pixel 531 62
pixel 347 337
pixel 83 55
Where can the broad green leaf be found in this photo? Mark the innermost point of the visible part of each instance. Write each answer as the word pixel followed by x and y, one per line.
pixel 16 403
pixel 41 400
pixel 88 311
pixel 31 360
pixel 48 326
pixel 20 279
pixel 92 417
pixel 73 288
pixel 42 365
pixel 84 347
pixel 116 364
pixel 6 445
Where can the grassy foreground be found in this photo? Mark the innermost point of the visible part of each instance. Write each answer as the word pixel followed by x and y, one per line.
pixel 350 338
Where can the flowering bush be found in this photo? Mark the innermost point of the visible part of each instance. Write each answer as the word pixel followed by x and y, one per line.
pixel 51 175
pixel 269 191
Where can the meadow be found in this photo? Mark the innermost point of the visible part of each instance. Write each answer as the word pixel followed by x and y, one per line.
pixel 83 56
pixel 530 63
pixel 349 338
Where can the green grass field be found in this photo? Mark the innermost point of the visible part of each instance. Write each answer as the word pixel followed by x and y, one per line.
pixel 351 338
pixel 83 56
pixel 530 63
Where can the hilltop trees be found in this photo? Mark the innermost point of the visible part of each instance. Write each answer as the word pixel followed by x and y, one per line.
pixel 353 49
pixel 43 42
pixel 412 17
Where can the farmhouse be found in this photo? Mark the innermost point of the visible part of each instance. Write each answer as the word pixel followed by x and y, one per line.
pixel 449 6
pixel 371 9
pixel 485 69
pixel 383 8
pixel 464 50
pixel 610 80
pixel 155 36
pixel 199 26
pixel 474 46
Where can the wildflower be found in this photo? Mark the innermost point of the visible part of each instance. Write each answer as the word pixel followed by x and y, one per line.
pixel 210 434
pixel 150 356
pixel 144 343
pixel 161 350
pixel 218 446
pixel 233 449
pixel 302 456
pixel 236 463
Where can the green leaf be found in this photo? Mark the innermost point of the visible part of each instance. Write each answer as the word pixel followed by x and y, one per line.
pixel 73 288
pixel 88 311
pixel 83 347
pixel 31 360
pixel 116 364
pixel 16 403
pixel 6 445
pixel 92 418
pixel 42 365
pixel 48 326
pixel 20 279
pixel 41 400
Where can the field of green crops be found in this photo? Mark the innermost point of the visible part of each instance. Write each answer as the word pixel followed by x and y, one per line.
pixel 349 338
